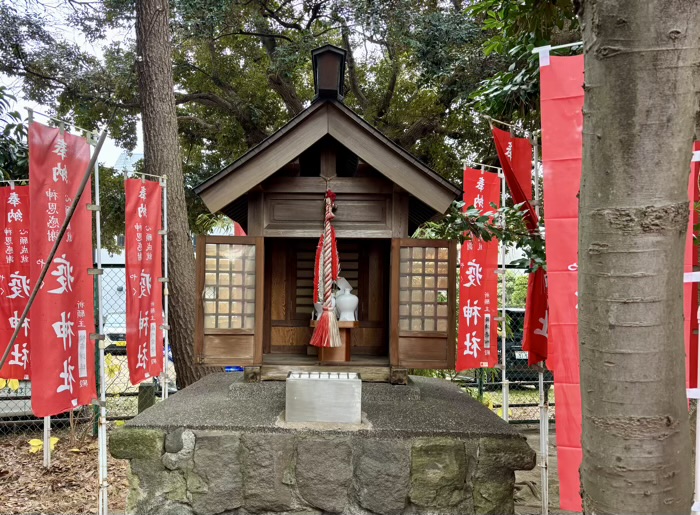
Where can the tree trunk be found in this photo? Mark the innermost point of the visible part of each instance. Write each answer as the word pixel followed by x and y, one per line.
pixel 638 126
pixel 162 157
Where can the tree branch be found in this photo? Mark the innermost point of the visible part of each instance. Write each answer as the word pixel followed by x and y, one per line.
pixel 391 87
pixel 256 34
pixel 195 120
pixel 279 85
pixel 352 67
pixel 206 99
pixel 417 131
pixel 27 70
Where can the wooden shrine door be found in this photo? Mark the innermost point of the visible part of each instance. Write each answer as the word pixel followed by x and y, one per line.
pixel 423 303
pixel 230 276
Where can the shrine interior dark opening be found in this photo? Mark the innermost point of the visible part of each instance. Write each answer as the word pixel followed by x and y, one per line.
pixel 288 310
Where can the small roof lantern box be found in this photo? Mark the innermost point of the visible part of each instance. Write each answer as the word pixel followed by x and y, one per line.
pixel 327 172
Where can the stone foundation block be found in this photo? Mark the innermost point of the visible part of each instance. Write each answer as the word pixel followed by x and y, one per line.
pixel 438 472
pixel 136 444
pixel 494 478
pixel 383 476
pixel 217 465
pixel 324 472
pixel 268 472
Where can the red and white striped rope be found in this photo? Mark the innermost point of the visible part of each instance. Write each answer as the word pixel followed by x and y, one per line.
pixel 327 257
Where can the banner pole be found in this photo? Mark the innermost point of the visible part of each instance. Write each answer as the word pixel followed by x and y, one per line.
pixel 102 424
pixel 504 321
pixel 544 401
pixel 52 254
pixel 166 294
pixel 47 442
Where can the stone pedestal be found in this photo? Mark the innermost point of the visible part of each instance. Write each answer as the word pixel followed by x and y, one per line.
pixel 223 446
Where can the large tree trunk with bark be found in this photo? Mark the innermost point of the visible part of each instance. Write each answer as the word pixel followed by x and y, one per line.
pixel 641 58
pixel 162 157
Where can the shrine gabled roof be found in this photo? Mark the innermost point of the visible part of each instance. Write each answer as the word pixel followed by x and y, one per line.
pixel 328 117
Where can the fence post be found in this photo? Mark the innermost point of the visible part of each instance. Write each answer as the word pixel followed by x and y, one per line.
pixel 480 383
pixel 544 392
pixel 98 364
pixel 504 321
pixel 103 501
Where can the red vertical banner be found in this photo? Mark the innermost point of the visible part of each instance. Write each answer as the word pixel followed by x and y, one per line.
pixel 478 290
pixel 690 289
pixel 536 318
pixel 515 154
pixel 144 299
pixel 561 83
pixel 62 316
pixel 14 279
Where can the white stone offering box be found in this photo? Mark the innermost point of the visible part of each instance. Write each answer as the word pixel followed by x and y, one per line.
pixel 329 397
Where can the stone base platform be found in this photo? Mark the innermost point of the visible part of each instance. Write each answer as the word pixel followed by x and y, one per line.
pixel 221 447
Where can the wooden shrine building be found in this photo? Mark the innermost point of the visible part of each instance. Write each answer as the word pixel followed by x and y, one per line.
pixel 255 291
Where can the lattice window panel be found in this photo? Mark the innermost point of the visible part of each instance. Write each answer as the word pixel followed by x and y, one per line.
pixel 229 286
pixel 423 285
pixel 305 258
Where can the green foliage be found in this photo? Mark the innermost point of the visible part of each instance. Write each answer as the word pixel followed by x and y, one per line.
pixel 14 152
pixel 518 296
pixel 112 207
pixel 242 70
pixel 515 29
pixel 516 289
pixel 448 374
pixel 507 224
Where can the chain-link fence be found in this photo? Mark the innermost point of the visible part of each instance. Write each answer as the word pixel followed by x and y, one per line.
pixel 487 384
pixel 122 397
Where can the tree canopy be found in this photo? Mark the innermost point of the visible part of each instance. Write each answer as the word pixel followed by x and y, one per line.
pixel 418 70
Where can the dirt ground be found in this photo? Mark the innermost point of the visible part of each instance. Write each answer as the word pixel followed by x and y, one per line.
pixel 69 487
pixel 529 483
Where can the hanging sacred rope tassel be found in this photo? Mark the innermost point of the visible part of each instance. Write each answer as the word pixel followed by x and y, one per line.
pixel 326 333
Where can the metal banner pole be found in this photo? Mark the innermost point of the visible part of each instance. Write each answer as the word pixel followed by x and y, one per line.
pixel 166 295
pixel 544 401
pixel 504 319
pixel 103 503
pixel 47 442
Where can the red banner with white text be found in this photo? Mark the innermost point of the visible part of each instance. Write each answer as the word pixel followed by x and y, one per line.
pixel 561 83
pixel 144 299
pixel 515 155
pixel 523 161
pixel 536 318
pixel 14 279
pixel 62 316
pixel 478 291
pixel 690 289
